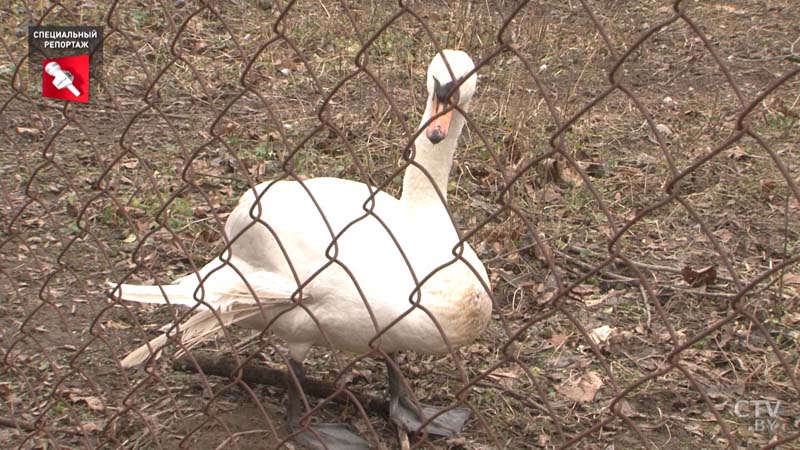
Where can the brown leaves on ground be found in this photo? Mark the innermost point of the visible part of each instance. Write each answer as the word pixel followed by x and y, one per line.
pixel 627 409
pixel 601 334
pixel 558 339
pixel 583 389
pixel 8 395
pixel 507 378
pixel 92 402
pixel 699 277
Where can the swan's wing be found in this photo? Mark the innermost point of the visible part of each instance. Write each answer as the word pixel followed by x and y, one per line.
pixel 215 282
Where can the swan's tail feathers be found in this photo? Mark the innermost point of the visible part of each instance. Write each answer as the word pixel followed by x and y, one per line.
pixel 142 354
pixel 201 326
pixel 226 304
pixel 174 294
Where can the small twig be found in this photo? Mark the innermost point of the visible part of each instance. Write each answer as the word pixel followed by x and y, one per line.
pixel 624 279
pixel 497 387
pixel 229 440
pixel 646 304
pixel 700 292
pixel 641 265
pixel 16 423
pixel 585 266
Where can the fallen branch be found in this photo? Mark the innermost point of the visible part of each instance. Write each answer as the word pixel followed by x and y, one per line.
pixel 641 265
pixel 224 366
pixel 589 267
pixel 15 423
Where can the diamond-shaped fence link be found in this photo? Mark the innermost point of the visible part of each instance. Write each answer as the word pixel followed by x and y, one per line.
pixel 628 176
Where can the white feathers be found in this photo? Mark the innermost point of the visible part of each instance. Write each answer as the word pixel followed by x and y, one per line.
pixel 222 298
pixel 360 256
pixel 201 326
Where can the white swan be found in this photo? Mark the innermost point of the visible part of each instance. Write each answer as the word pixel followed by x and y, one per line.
pixel 280 241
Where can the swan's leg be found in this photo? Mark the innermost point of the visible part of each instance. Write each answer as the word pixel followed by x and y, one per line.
pixel 405 414
pixel 294 404
pixel 328 436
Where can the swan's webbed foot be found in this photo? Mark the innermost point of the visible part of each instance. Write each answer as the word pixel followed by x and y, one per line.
pixel 447 424
pixel 331 436
pixel 321 436
pixel 405 414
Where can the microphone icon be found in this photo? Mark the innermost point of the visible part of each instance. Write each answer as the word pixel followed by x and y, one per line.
pixel 61 78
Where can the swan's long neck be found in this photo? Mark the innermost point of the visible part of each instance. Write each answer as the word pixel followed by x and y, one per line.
pixel 418 191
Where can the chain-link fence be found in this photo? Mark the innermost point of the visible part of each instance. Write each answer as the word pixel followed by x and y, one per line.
pixel 627 175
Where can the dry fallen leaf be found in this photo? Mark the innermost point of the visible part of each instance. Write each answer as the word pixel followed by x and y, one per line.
pixel 569 360
pixel 8 394
pixel 456 442
pixel 584 289
pixel 665 132
pixel 94 403
pixel 725 236
pixel 30 133
pixel 543 440
pixel 571 176
pixel 792 318
pixel 791 278
pixel 583 389
pixel 90 427
pixel 601 334
pixel 595 300
pixel 130 163
pixel 700 277
pixel 114 325
pixel 558 339
pixel 541 251
pixel 791 282
pixel 549 194
pixel 505 378
pixel 627 409
pixel 737 153
pixel 729 9
pixel 550 171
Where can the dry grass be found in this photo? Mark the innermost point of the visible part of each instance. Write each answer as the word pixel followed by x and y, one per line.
pixel 171 73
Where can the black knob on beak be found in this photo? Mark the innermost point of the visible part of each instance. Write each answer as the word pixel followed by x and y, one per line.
pixel 435 136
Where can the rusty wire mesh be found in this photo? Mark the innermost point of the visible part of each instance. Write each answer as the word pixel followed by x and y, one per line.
pixel 629 178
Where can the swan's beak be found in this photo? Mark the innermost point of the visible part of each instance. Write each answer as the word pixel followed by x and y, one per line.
pixel 437 129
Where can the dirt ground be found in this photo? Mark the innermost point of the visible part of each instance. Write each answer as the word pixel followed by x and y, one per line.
pixel 629 177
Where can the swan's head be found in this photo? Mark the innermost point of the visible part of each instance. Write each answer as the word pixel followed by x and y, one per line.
pixel 442 95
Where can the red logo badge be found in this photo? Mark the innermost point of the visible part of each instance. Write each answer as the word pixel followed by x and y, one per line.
pixel 66 78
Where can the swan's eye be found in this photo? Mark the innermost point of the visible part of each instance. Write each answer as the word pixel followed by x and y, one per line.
pixel 443 92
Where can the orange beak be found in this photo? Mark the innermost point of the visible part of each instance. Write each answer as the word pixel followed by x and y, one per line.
pixel 436 130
